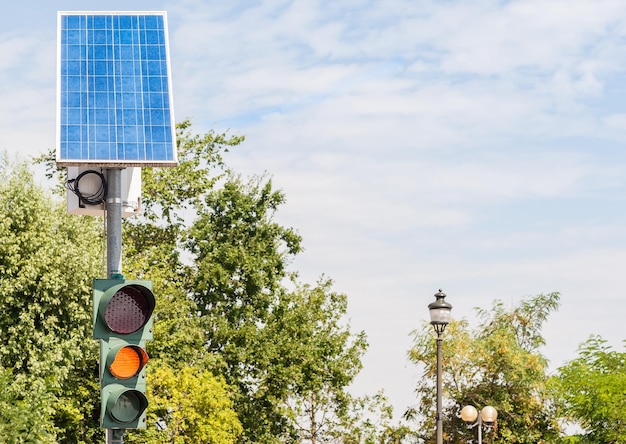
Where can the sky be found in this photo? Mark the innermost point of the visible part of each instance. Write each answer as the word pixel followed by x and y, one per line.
pixel 476 147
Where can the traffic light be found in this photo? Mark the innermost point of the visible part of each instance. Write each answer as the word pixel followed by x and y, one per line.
pixel 122 320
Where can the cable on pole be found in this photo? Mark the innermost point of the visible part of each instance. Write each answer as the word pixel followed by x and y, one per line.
pixel 94 198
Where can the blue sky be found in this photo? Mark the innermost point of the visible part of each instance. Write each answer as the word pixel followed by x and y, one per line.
pixel 476 147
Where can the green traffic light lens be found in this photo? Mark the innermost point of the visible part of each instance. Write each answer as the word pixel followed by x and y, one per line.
pixel 129 309
pixel 128 406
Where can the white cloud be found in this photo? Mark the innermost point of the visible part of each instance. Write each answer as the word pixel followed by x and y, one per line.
pixel 487 38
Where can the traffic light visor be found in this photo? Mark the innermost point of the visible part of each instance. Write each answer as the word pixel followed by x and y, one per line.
pixel 128 362
pixel 129 309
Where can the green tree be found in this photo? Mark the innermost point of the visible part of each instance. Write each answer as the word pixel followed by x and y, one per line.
pixel 241 256
pixel 47 261
pixel 497 363
pixel 25 419
pixel 234 277
pixel 188 406
pixel 154 244
pixel 369 420
pixel 187 403
pixel 591 389
pixel 219 264
pixel 310 358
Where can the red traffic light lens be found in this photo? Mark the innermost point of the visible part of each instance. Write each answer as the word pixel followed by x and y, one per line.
pixel 129 309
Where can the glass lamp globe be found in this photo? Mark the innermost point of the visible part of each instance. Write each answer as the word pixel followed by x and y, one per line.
pixel 440 311
pixel 489 414
pixel 469 413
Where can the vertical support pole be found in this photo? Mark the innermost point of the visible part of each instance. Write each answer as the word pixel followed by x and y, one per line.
pixel 114 223
pixel 480 428
pixel 115 436
pixel 439 406
pixel 114 253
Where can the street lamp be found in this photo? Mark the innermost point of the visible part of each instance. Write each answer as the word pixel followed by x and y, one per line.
pixel 439 319
pixel 487 418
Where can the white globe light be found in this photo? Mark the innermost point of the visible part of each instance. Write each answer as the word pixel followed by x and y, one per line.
pixel 469 413
pixel 489 414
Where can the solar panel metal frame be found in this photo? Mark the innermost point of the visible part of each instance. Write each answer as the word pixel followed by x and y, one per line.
pixel 95 138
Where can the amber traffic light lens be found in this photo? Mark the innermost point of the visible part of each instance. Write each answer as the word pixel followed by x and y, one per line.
pixel 128 362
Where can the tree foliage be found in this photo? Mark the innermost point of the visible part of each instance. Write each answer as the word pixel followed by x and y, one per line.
pixel 25 419
pixel 311 358
pixel 242 351
pixel 591 389
pixel 497 363
pixel 245 324
pixel 369 420
pixel 47 261
pixel 188 406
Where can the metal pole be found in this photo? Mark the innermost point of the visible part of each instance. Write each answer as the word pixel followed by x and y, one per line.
pixel 114 253
pixel 439 408
pixel 480 429
pixel 115 436
pixel 114 223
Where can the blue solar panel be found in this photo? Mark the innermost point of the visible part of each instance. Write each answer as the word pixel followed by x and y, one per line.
pixel 114 90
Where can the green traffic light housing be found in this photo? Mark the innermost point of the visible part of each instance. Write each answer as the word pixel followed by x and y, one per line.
pixel 123 307
pixel 122 321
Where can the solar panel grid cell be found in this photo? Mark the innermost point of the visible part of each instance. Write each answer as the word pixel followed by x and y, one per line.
pixel 114 95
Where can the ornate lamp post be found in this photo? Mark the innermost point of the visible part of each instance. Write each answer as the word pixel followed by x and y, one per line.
pixel 439 318
pixel 487 419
